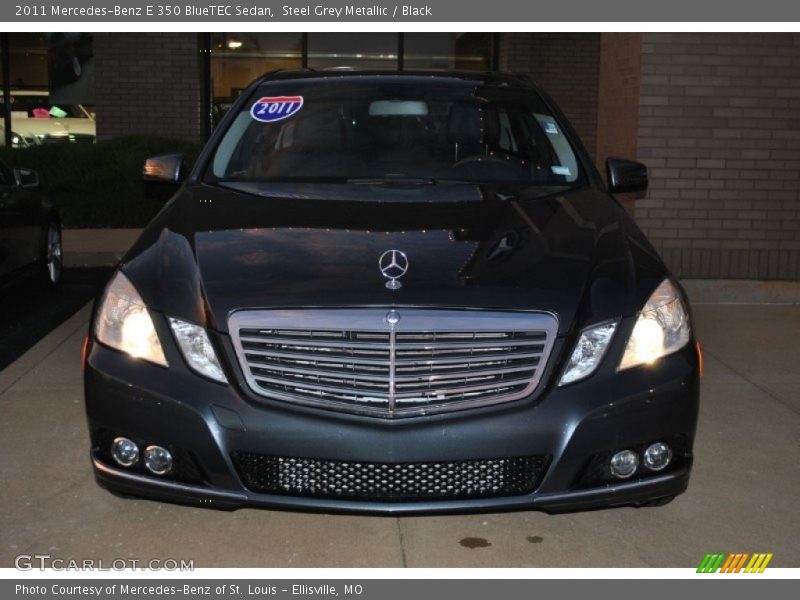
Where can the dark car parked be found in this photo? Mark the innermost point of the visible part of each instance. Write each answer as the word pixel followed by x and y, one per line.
pixel 67 53
pixel 30 230
pixel 393 293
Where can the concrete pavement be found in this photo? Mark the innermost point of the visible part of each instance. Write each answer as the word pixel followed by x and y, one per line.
pixel 97 247
pixel 742 497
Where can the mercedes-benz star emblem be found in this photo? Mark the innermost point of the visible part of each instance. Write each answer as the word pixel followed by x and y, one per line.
pixel 392 318
pixel 393 265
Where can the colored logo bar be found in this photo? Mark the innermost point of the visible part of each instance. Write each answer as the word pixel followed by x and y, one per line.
pixel 739 562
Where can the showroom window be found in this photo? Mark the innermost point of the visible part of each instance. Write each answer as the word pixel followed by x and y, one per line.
pixel 59 68
pixel 49 82
pixel 350 51
pixel 461 51
pixel 239 58
pixel 28 60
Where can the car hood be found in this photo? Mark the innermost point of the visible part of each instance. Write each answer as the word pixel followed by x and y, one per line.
pixel 213 251
pixel 53 127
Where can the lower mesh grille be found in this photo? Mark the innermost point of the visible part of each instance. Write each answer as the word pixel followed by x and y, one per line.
pixel 390 482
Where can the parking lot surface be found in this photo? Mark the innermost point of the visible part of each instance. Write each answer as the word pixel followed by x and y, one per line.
pixel 29 311
pixel 742 497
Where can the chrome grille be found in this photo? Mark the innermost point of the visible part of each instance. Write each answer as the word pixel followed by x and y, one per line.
pixel 430 361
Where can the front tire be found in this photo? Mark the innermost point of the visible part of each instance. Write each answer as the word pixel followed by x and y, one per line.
pixel 76 69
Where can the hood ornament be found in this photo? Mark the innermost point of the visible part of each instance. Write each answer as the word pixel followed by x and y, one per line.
pixel 393 265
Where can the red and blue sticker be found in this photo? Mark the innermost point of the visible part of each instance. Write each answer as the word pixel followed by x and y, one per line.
pixel 276 108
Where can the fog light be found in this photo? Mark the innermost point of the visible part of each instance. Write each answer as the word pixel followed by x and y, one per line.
pixel 623 464
pixel 124 451
pixel 657 456
pixel 158 460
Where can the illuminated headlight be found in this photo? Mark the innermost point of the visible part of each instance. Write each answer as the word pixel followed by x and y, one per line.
pixel 588 352
pixel 124 323
pixel 661 329
pixel 197 349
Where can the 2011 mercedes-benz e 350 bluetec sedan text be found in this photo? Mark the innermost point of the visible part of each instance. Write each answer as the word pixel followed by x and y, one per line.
pixel 393 293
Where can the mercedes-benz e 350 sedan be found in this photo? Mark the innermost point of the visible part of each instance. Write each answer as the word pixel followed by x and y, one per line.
pixel 393 293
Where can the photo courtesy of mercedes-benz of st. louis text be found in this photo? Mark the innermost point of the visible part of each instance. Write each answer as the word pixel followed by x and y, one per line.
pixel 393 292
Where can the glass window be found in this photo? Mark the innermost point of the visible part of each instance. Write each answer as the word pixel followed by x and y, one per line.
pixel 70 59
pixel 37 105
pixel 237 59
pixel 462 51
pixel 347 129
pixel 27 53
pixel 352 51
pixel 51 79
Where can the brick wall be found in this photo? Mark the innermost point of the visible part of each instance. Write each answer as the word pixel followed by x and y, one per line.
pixel 620 74
pixel 147 83
pixel 566 66
pixel 719 127
pixel 618 96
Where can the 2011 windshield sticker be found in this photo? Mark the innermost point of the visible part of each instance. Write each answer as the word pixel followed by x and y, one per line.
pixel 276 108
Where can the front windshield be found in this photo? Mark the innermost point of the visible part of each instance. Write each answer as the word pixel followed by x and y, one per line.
pixel 356 129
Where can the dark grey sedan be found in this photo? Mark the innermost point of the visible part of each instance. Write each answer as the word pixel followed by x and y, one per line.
pixel 30 229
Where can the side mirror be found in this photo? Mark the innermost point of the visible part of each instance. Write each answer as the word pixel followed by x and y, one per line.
pixel 27 178
pixel 626 176
pixel 166 168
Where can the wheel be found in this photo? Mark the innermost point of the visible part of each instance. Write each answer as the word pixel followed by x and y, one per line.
pixel 77 68
pixel 53 253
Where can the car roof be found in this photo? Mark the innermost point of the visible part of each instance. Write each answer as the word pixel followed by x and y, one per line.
pixel 474 77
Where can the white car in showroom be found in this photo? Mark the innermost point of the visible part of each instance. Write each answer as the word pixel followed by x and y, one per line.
pixel 36 120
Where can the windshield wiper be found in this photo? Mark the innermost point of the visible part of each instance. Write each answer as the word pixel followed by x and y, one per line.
pixel 406 181
pixel 392 180
pixel 285 179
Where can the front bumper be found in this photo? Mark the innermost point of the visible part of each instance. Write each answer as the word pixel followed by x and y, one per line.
pixel 622 494
pixel 571 426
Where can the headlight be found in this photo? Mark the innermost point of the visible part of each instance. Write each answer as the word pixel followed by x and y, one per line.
pixel 124 323
pixel 662 328
pixel 588 352
pixel 197 349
